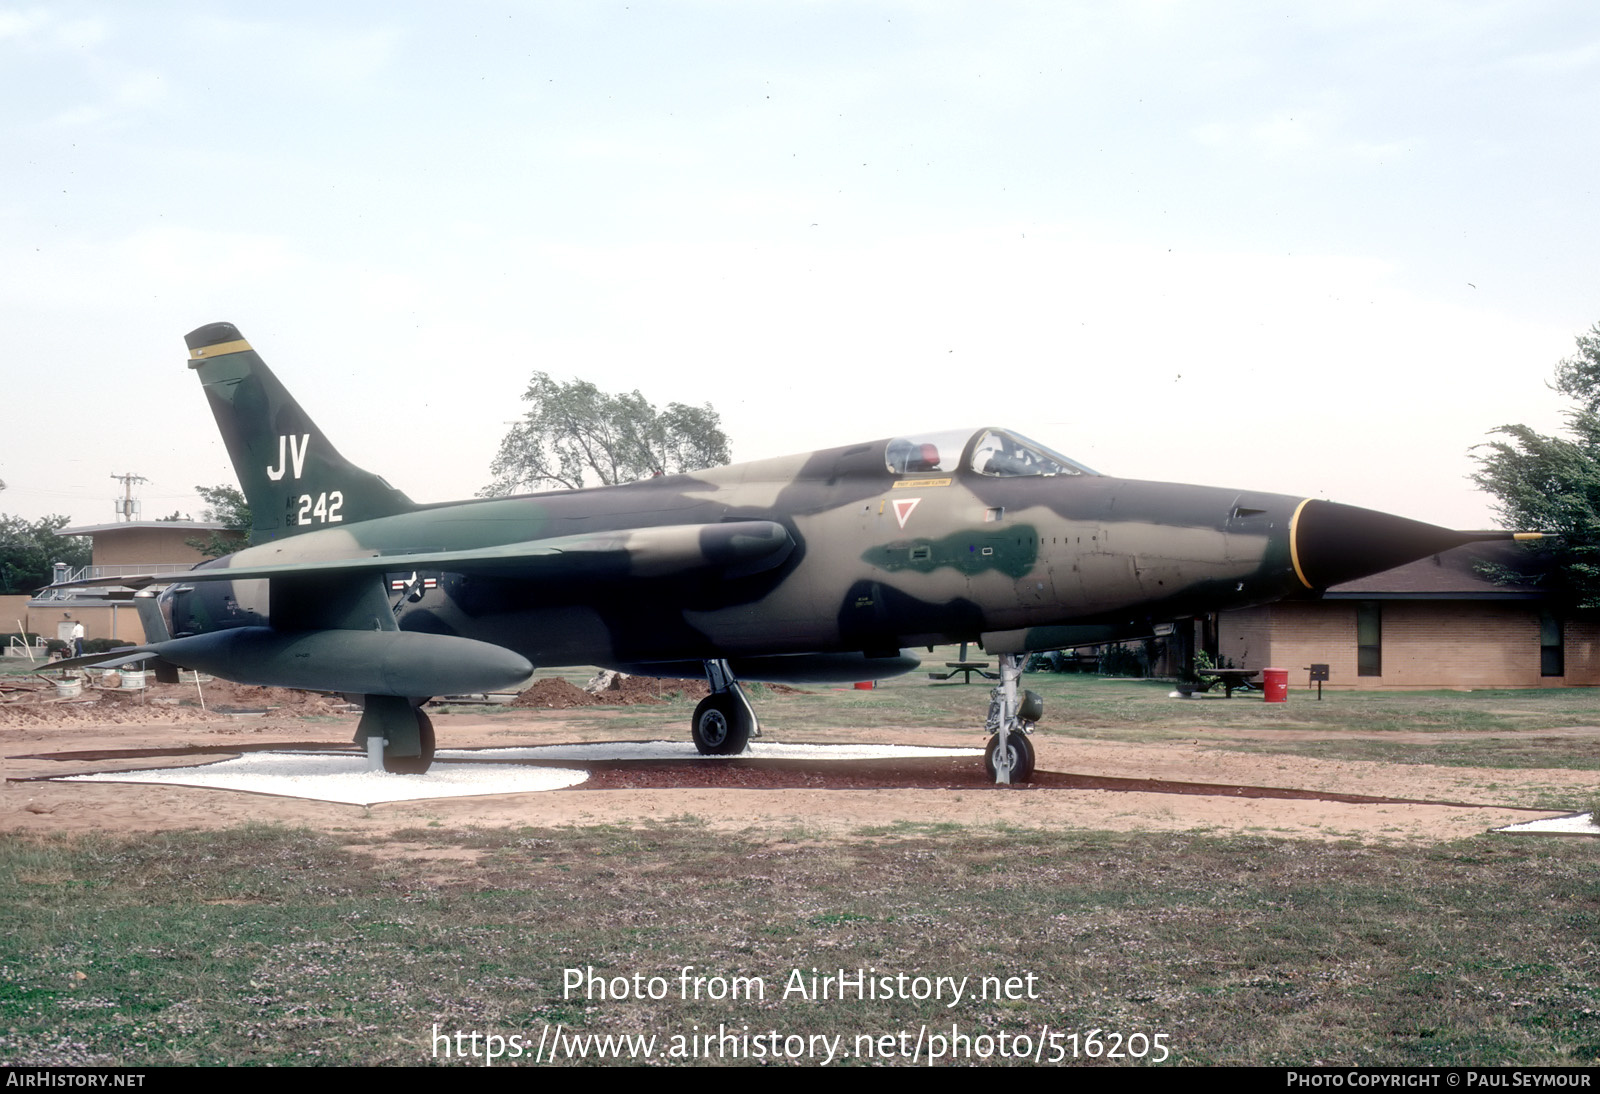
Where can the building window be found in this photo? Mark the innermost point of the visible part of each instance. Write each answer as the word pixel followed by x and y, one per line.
pixel 1369 638
pixel 1552 648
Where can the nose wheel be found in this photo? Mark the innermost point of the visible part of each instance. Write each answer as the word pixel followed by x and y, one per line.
pixel 1018 759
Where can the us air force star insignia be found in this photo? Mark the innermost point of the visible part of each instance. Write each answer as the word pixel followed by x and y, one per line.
pixel 903 507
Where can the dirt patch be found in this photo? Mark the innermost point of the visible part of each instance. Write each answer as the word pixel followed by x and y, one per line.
pixel 558 694
pixel 554 694
pixel 35 704
pixel 628 690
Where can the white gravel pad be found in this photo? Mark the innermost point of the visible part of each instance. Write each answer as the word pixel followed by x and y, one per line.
pixel 338 777
pixel 1575 825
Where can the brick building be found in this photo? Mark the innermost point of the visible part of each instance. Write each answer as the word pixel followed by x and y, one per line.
pixel 1436 623
pixel 122 547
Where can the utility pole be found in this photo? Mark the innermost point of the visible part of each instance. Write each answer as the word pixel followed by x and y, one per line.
pixel 126 507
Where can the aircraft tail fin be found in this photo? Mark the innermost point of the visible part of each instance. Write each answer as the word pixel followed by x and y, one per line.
pixel 293 479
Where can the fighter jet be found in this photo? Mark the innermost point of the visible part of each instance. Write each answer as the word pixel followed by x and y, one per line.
pixel 826 566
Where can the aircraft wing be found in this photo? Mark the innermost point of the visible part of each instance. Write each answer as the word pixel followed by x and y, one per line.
pixel 734 549
pixel 132 581
pixel 111 659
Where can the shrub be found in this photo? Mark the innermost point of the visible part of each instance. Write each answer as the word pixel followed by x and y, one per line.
pixel 1121 661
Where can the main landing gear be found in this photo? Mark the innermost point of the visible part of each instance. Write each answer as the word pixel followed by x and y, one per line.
pixel 724 721
pixel 406 732
pixel 1009 754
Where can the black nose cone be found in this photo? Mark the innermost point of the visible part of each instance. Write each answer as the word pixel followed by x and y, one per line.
pixel 1332 543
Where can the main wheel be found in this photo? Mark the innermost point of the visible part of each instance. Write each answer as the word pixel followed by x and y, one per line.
pixel 414 765
pixel 721 726
pixel 1021 749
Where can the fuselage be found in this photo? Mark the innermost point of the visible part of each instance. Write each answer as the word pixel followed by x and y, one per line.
pixel 987 537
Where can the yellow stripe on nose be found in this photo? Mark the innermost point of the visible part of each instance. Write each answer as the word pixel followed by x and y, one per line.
pixel 1294 548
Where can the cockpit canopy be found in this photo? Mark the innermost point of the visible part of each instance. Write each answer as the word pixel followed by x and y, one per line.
pixel 996 452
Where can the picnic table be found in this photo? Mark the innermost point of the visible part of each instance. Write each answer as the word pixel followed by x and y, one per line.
pixel 966 668
pixel 1242 679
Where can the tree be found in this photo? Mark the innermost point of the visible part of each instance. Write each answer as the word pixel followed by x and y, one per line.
pixel 226 504
pixel 575 433
pixel 28 552
pixel 1552 484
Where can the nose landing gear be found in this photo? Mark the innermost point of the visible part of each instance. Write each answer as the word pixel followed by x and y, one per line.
pixel 1009 755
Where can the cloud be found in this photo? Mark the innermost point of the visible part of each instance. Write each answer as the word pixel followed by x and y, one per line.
pixel 1311 135
pixel 302 56
pixel 22 24
pixel 42 29
pixel 1569 60
pixel 132 93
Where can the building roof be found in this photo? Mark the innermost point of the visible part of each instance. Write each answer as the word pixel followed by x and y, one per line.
pixel 1458 574
pixel 124 525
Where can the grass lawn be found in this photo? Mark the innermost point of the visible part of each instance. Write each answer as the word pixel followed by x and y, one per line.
pixel 275 946
pixel 270 945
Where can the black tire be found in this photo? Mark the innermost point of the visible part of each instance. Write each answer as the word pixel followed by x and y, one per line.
pixel 414 765
pixel 721 726
pixel 1021 755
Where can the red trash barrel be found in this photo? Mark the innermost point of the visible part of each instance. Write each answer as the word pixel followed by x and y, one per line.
pixel 1275 682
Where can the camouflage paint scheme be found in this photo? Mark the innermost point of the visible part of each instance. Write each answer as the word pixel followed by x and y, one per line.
pixel 824 565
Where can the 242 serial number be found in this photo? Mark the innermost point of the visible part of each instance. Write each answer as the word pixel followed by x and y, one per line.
pixel 324 509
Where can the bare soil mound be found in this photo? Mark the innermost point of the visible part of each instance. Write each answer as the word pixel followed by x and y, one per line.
pixel 555 693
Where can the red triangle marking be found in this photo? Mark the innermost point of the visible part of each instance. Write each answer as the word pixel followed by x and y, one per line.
pixel 903 507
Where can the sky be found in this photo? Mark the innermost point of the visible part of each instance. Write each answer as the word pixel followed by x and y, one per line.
pixel 1319 249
